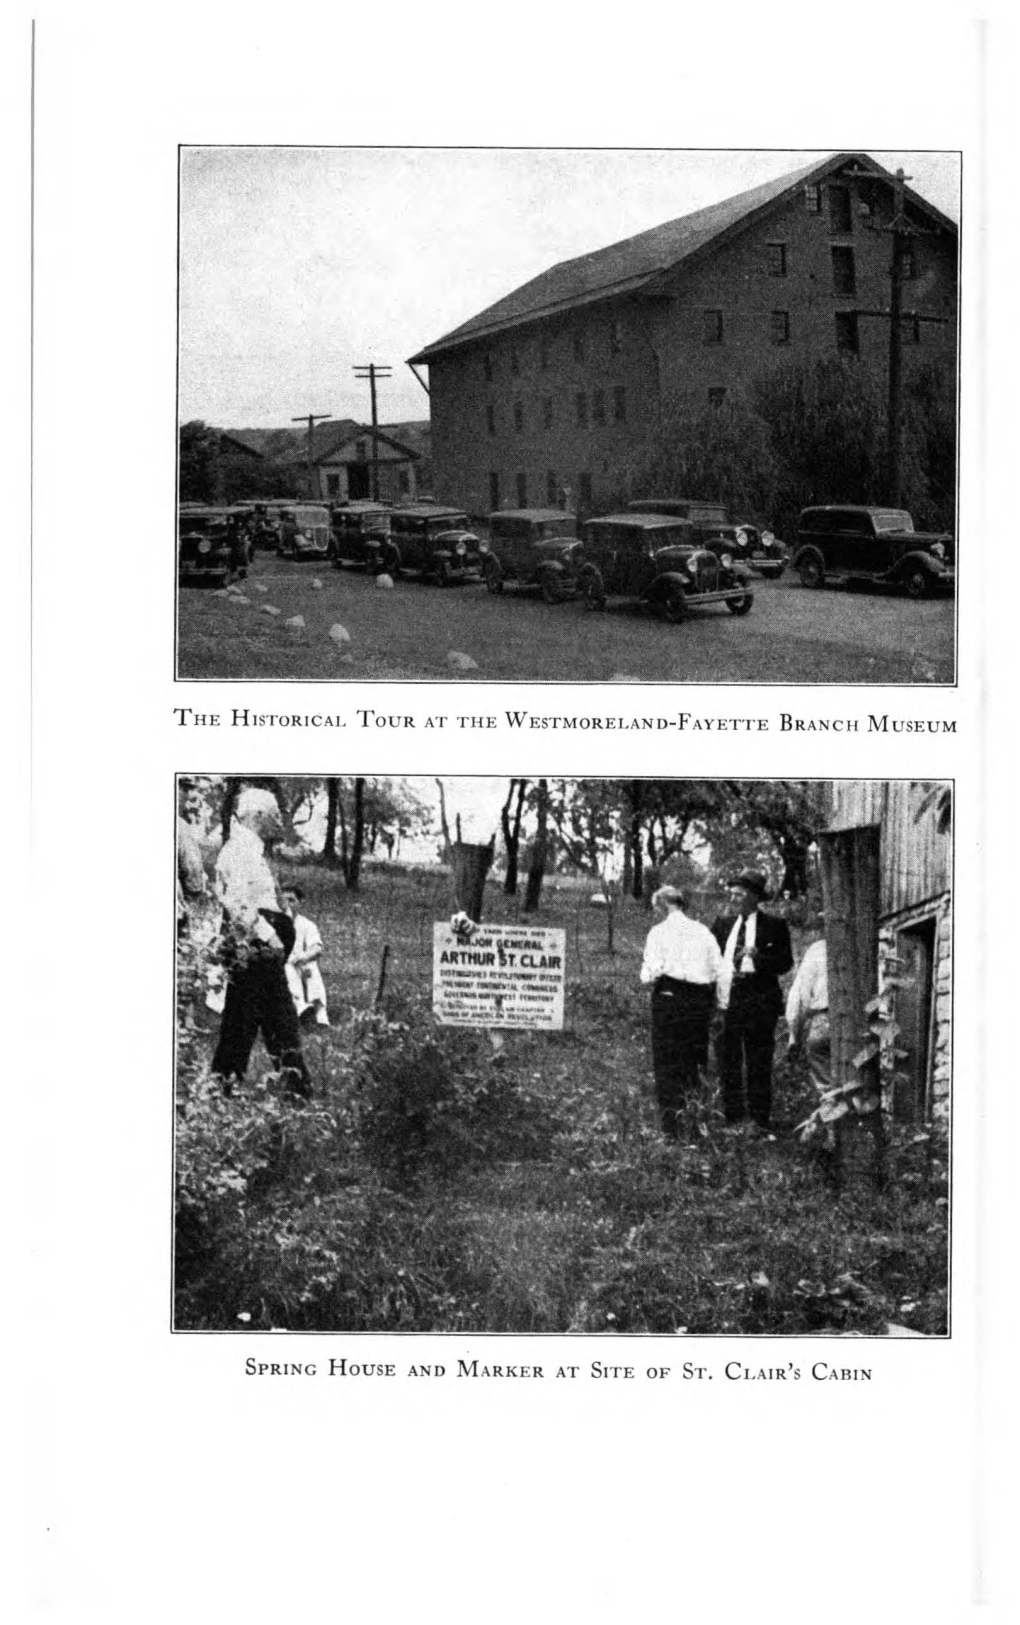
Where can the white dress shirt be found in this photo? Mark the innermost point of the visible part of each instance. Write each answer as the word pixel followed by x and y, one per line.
pixel 809 991
pixel 244 882
pixel 682 948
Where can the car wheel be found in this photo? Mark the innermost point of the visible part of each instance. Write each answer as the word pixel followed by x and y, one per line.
pixel 443 574
pixel 551 586
pixel 493 573
pixel 593 589
pixel 672 605
pixel 741 605
pixel 915 583
pixel 811 570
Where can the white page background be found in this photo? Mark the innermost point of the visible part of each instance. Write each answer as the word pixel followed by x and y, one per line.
pixel 167 1484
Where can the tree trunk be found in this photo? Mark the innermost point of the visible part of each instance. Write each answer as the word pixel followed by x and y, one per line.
pixel 345 857
pixel 795 877
pixel 358 839
pixel 637 855
pixel 444 826
pixel 332 808
pixel 851 893
pixel 539 850
pixel 229 803
pixel 512 833
pixel 471 864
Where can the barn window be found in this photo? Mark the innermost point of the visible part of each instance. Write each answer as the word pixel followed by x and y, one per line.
pixel 581 409
pixel 847 338
pixel 547 411
pixel 776 258
pixel 813 198
pixel 598 406
pixel 518 415
pixel 490 418
pixel 844 278
pixel 779 326
pixel 619 404
pixel 841 220
pixel 713 326
pixel 522 490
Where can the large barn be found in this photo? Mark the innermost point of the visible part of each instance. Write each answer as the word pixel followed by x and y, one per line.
pixel 553 394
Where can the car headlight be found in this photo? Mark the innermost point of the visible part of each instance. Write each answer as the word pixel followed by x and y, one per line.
pixel 483 547
pixel 461 548
pixel 727 561
pixel 300 536
pixel 939 550
pixel 205 546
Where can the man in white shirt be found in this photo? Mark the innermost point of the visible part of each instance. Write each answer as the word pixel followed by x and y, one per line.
pixel 304 978
pixel 682 964
pixel 807 1014
pixel 258 938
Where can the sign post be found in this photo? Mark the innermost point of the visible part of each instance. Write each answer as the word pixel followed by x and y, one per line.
pixel 498 976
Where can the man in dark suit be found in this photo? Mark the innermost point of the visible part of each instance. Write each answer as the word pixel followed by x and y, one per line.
pixel 756 953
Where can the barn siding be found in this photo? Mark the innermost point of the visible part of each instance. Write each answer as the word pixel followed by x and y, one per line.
pixel 916 864
pixel 916 859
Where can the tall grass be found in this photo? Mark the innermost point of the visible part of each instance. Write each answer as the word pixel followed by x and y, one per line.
pixel 444 1181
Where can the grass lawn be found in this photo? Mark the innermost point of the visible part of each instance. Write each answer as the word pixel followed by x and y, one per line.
pixel 460 1181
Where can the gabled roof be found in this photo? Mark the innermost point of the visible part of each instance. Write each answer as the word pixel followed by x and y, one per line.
pixel 636 264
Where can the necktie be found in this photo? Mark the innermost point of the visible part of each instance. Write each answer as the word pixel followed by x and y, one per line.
pixel 738 946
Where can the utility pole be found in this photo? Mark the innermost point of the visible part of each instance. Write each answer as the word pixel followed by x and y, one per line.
pixel 372 371
pixel 311 418
pixel 901 232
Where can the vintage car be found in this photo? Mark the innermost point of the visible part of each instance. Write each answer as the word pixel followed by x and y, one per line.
pixel 211 542
pixel 836 544
pixel 433 541
pixel 713 528
pixel 303 531
pixel 655 559
pixel 535 547
pixel 360 532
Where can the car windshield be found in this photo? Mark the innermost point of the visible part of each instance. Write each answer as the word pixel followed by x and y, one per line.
pixel 892 519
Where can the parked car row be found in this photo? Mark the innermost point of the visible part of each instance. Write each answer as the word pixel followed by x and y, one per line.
pixel 671 553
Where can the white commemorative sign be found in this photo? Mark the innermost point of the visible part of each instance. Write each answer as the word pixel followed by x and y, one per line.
pixel 498 976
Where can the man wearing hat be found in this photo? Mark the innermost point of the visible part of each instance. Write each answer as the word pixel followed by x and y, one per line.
pixel 756 952
pixel 682 964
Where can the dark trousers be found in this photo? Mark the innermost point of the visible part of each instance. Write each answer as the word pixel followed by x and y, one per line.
pixel 744 1051
pixel 258 997
pixel 681 1013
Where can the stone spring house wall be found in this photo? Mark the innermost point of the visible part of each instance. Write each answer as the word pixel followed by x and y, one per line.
pixel 761 289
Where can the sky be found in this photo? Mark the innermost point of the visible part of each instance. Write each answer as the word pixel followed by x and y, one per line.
pixel 297 264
